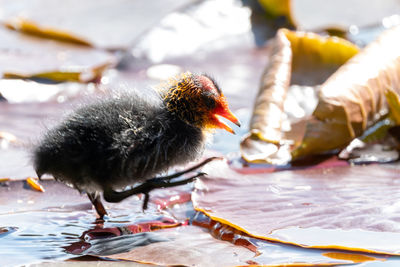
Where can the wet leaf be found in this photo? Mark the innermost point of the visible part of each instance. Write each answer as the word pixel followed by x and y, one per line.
pixel 353 99
pixel 103 24
pixel 298 58
pixel 199 248
pixel 32 57
pixel 349 208
pixel 192 246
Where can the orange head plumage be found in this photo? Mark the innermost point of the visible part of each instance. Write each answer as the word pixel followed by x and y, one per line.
pixel 197 100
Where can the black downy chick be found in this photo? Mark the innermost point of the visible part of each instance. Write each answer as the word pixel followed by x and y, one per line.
pixel 119 141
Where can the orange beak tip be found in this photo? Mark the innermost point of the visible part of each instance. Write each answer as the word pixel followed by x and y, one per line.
pixel 222 125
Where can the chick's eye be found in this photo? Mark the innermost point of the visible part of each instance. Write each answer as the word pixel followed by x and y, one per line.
pixel 209 101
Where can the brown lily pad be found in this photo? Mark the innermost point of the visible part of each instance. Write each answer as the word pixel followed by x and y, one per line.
pixel 350 101
pixel 349 208
pixel 353 98
pixel 297 58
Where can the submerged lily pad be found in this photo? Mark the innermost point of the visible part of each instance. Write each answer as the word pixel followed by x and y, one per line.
pixel 349 208
pixel 32 57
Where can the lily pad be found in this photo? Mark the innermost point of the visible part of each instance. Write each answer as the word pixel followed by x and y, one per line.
pixel 32 57
pixel 192 246
pixel 349 208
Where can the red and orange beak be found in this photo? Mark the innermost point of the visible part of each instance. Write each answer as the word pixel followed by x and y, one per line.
pixel 223 112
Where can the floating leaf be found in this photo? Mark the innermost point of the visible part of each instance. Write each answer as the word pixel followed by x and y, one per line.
pixel 349 208
pixel 32 57
pixel 298 58
pixel 192 246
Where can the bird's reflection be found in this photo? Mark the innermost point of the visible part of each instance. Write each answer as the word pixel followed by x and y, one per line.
pixel 103 241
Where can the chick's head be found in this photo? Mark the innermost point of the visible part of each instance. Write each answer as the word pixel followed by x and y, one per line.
pixel 197 100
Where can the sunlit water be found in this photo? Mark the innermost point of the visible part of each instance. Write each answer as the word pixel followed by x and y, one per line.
pixel 61 231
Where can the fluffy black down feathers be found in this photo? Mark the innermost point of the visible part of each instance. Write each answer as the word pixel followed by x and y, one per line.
pixel 116 142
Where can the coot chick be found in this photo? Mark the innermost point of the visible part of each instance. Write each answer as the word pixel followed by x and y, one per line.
pixel 119 141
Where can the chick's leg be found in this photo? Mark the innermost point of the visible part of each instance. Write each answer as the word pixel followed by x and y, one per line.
pixel 96 201
pixel 145 188
pixel 195 167
pixel 154 183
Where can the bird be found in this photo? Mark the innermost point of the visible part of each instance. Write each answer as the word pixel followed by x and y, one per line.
pixel 119 141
